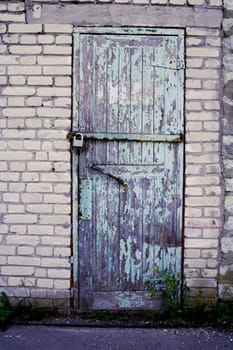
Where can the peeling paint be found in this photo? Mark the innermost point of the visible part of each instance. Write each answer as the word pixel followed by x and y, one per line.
pixel 129 115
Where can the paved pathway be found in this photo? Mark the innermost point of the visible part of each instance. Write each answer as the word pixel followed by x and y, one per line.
pixel 86 338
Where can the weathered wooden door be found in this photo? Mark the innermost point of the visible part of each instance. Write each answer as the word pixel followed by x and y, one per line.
pixel 129 119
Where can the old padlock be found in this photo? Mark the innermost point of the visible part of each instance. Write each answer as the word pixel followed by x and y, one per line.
pixel 78 140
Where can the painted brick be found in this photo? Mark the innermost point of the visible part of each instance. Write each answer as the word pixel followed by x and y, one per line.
pixel 177 2
pixel 44 283
pixel 204 243
pixel 57 70
pixel 23 260
pixel 58 28
pixel 16 7
pixel 46 39
pixel 57 50
pixel 25 250
pixel 65 39
pixel 8 17
pixel 25 28
pixel 17 270
pixel 53 91
pixel 24 49
pixel 24 70
pixel 15 91
pixel 196 2
pixel 28 39
pixel 39 80
pixel 44 251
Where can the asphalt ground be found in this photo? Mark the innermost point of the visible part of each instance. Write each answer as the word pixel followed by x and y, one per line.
pixel 37 337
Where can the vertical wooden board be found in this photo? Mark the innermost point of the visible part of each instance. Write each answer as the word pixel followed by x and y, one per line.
pixel 124 103
pixel 148 90
pixel 136 77
pixel 148 103
pixel 113 102
pixel 148 227
pixel 125 235
pixel 159 99
pixel 101 218
pixel 136 98
pixel 113 234
pixel 136 232
pixel 158 206
pixel 85 83
pixel 100 88
pixel 170 85
pixel 112 89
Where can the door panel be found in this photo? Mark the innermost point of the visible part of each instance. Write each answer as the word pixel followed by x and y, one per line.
pixel 130 209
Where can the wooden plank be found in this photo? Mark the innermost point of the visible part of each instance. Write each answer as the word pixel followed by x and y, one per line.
pixel 137 300
pixel 85 98
pixel 99 113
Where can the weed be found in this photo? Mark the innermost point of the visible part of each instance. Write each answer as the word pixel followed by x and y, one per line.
pixel 21 309
pixel 173 292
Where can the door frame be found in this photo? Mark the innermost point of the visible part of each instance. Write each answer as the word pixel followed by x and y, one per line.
pixel 74 125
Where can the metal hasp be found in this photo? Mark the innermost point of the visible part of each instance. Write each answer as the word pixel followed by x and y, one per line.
pixel 78 138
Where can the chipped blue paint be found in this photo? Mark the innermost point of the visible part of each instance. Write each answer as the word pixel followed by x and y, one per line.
pixel 130 111
pixel 85 194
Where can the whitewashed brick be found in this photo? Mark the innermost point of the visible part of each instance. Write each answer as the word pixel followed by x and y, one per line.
pixel 196 2
pixel 177 2
pixel 202 180
pixel 54 60
pixel 25 28
pixel 202 94
pixel 195 263
pixel 16 7
pixel 28 39
pixel 44 283
pixel 57 70
pixel 57 50
pixel 24 70
pixel 39 80
pixel 17 270
pixel 28 60
pixel 11 90
pixel 44 251
pixel 61 284
pixel 59 273
pixel 51 219
pixel 20 219
pixel 11 17
pixel 53 91
pixel 23 260
pixel 16 208
pixel 55 262
pixel 65 39
pixel 38 208
pixel 25 49
pixel 25 250
pixel 39 188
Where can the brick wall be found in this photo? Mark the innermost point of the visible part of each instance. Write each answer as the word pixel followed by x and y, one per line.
pixel 203 195
pixel 35 167
pixel 35 101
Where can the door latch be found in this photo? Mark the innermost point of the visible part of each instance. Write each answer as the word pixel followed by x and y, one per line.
pixel 78 140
